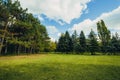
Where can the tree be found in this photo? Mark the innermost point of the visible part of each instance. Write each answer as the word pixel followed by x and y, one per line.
pixel 52 46
pixel 61 43
pixel 115 44
pixel 75 41
pixel 82 42
pixel 68 42
pixel 5 20
pixel 65 43
pixel 93 44
pixel 104 35
pixel 20 32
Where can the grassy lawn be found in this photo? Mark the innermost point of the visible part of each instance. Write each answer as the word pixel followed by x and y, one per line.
pixel 59 67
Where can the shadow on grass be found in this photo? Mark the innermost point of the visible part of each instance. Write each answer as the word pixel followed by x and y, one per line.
pixel 58 71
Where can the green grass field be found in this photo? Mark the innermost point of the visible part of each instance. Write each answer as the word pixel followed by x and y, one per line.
pixel 59 67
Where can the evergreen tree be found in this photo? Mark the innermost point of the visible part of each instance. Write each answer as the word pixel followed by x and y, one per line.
pixel 75 41
pixel 82 42
pixel 115 44
pixel 68 42
pixel 20 32
pixel 65 43
pixel 93 44
pixel 61 43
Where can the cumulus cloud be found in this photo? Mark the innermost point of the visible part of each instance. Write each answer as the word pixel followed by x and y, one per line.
pixel 86 26
pixel 40 18
pixel 52 29
pixel 53 32
pixel 112 20
pixel 65 10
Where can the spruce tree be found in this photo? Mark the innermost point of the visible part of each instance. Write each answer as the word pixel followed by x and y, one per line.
pixel 61 44
pixel 75 41
pixel 115 44
pixel 82 42
pixel 93 44
pixel 65 43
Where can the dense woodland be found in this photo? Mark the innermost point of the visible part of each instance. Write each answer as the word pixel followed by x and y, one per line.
pixel 102 42
pixel 21 32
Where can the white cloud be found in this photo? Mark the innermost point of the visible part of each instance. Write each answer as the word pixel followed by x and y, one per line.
pixel 53 32
pixel 66 10
pixel 53 39
pixel 112 20
pixel 52 29
pixel 86 26
pixel 40 17
pixel 61 23
pixel 59 34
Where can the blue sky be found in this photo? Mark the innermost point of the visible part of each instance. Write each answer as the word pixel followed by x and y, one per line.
pixel 61 15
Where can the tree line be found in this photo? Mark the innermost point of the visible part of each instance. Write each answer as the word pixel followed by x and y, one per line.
pixel 20 31
pixel 103 42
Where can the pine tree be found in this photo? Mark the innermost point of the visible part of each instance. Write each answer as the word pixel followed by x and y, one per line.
pixel 65 43
pixel 115 44
pixel 20 32
pixel 5 20
pixel 75 41
pixel 82 42
pixel 61 44
pixel 93 44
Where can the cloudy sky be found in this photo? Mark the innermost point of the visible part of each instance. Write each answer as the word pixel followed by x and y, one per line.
pixel 61 15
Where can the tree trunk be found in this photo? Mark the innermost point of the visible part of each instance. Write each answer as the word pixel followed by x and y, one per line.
pixel 19 48
pixel 25 50
pixel 3 38
pixel 31 50
pixel 6 50
pixel 15 51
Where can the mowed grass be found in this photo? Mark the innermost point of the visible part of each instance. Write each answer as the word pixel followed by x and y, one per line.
pixel 59 67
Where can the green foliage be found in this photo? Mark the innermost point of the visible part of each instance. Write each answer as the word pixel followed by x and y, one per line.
pixel 93 44
pixel 115 44
pixel 101 43
pixel 75 42
pixel 68 42
pixel 20 30
pixel 82 42
pixel 104 35
pixel 52 46
pixel 65 43
pixel 60 44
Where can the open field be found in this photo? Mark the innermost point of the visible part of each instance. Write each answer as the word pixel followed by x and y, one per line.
pixel 59 67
